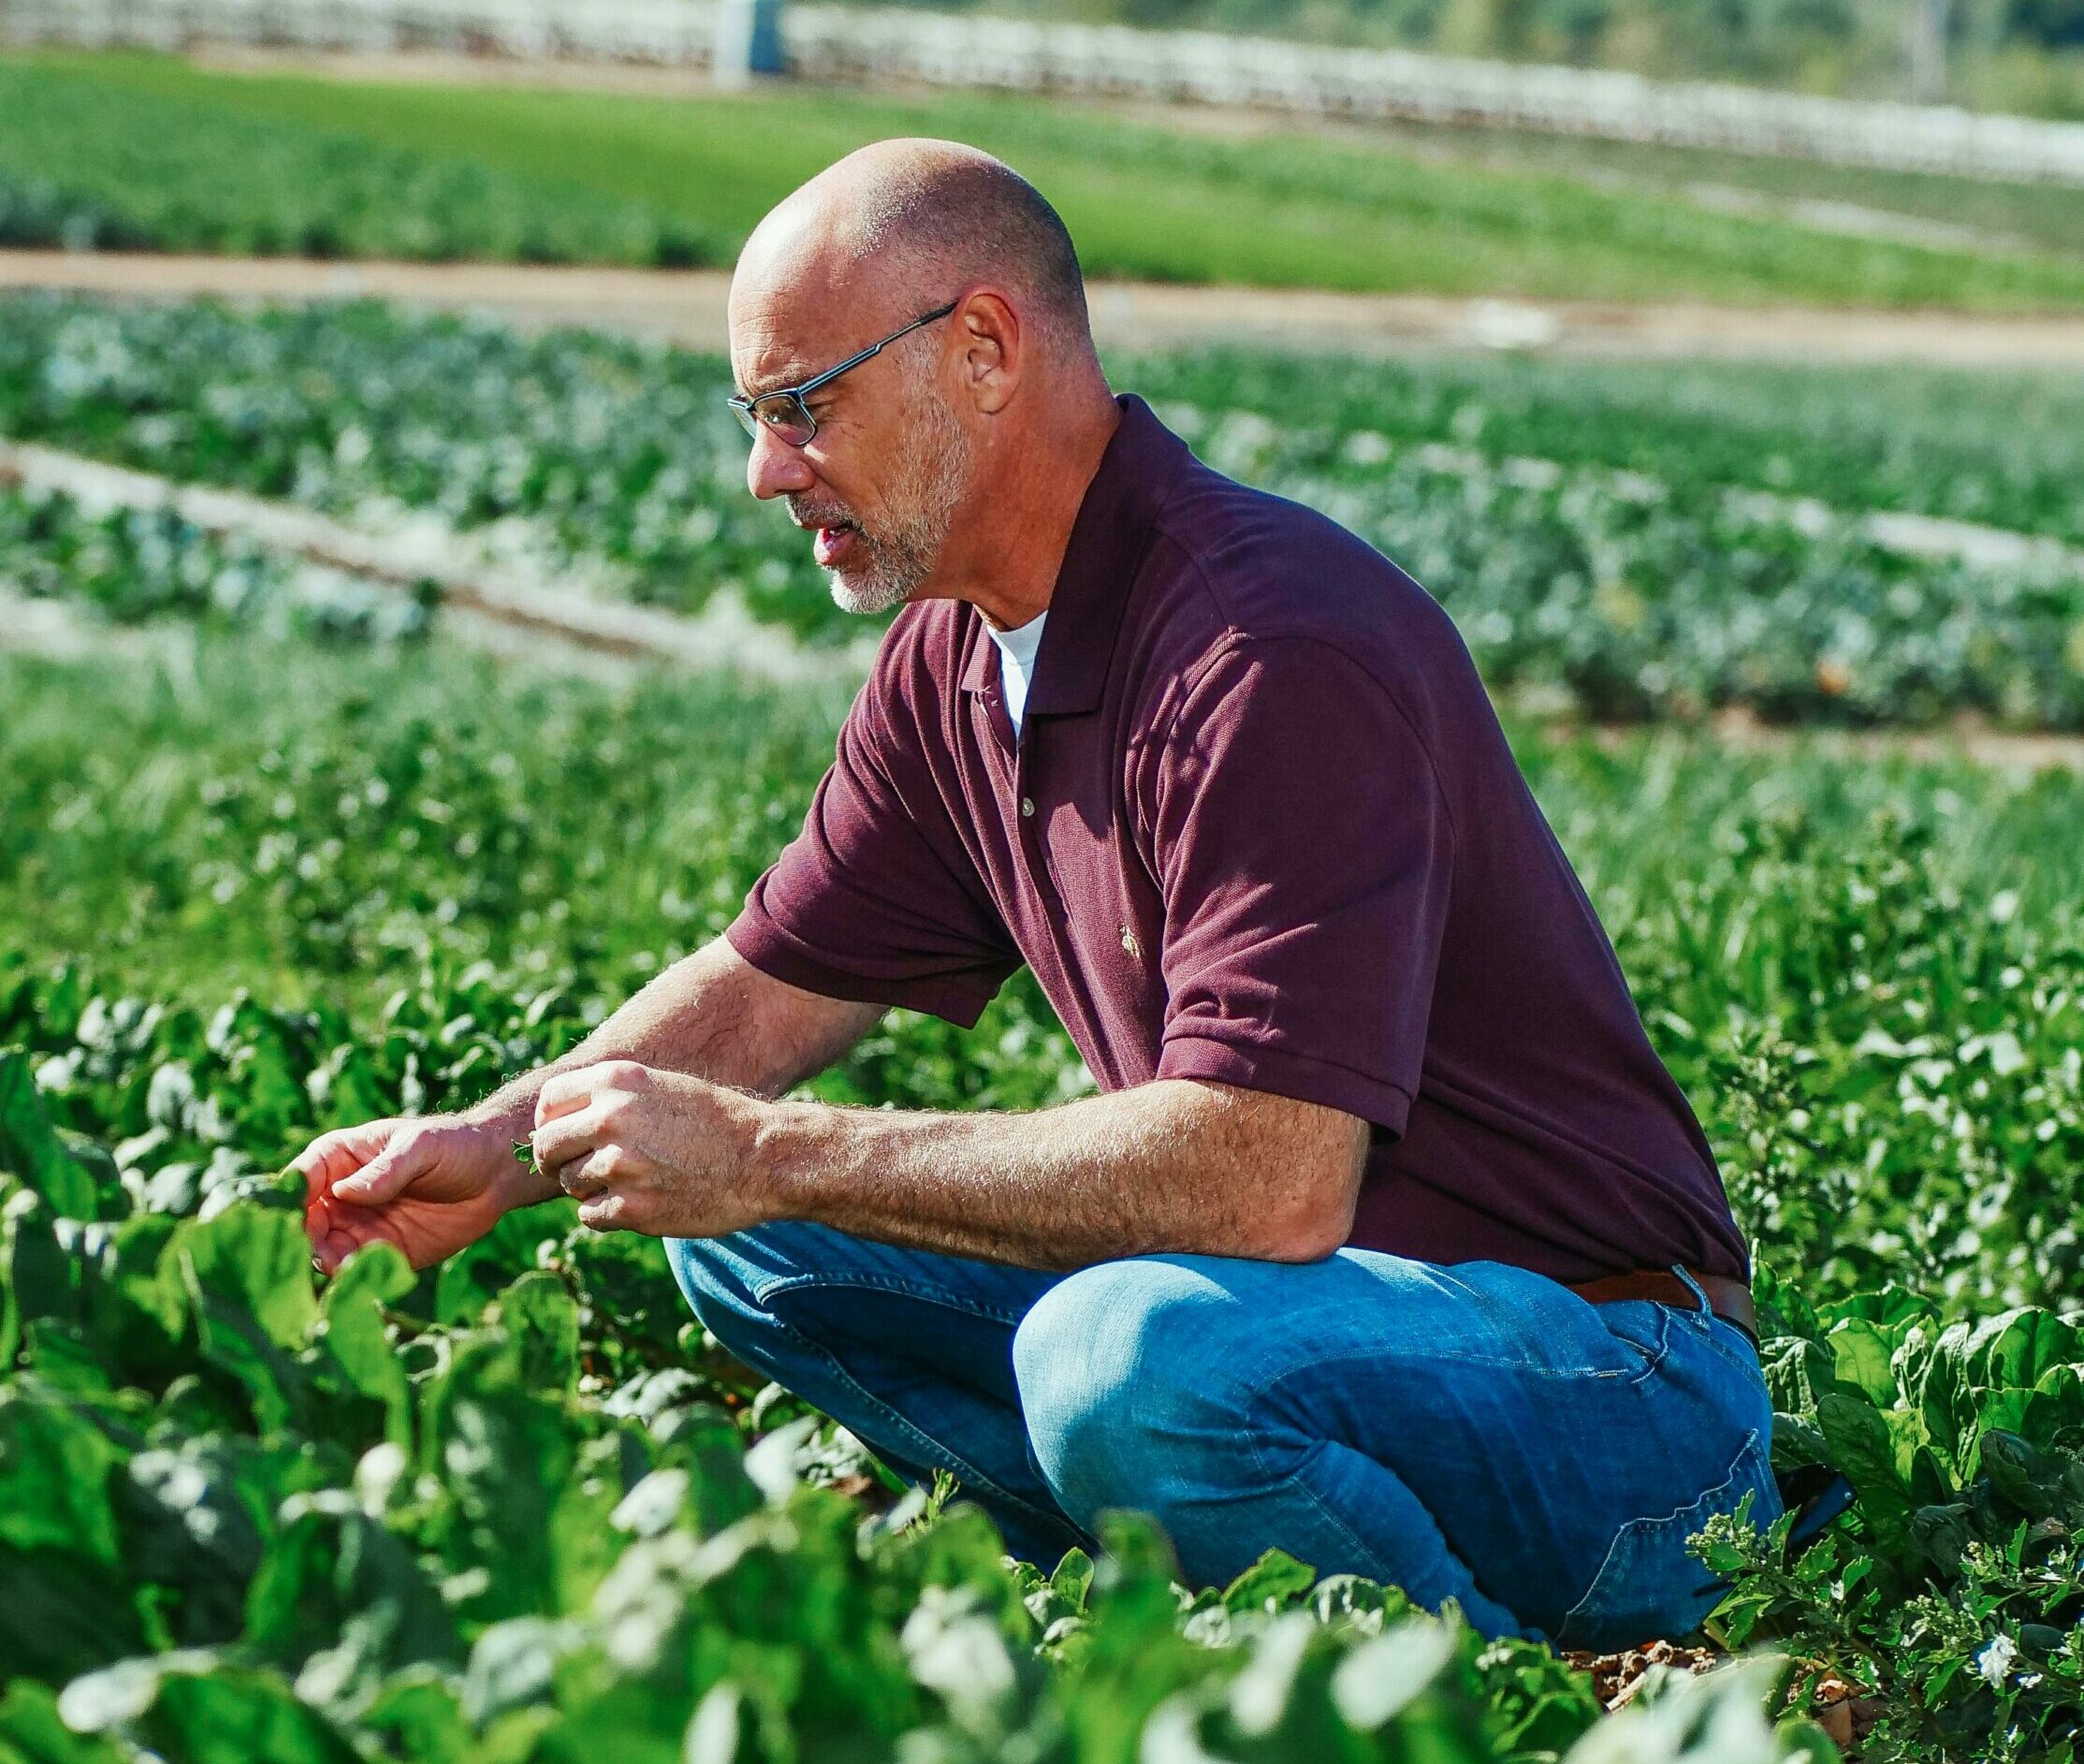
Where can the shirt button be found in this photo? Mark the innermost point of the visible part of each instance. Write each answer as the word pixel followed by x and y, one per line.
pixel 1026 805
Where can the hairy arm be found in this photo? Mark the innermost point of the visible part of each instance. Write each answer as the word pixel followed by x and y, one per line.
pixel 1173 1165
pixel 429 1185
pixel 712 1015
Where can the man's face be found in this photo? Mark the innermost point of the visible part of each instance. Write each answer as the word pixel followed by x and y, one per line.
pixel 881 484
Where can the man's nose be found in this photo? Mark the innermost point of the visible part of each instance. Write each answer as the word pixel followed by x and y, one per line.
pixel 773 468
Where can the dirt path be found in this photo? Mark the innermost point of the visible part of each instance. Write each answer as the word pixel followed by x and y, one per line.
pixel 503 604
pixel 687 306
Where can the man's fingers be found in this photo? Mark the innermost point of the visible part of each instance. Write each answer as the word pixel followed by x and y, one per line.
pixel 387 1173
pixel 331 1245
pixel 318 1224
pixel 589 1174
pixel 567 1092
pixel 603 1212
pixel 569 1136
pixel 333 1156
pixel 548 1108
pixel 345 1234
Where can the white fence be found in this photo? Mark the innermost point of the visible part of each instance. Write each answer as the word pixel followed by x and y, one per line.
pixel 1298 79
pixel 675 32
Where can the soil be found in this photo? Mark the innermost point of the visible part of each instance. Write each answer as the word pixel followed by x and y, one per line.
pixel 1839 1708
pixel 687 306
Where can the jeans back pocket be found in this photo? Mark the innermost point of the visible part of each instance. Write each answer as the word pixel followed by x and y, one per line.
pixel 1649 1586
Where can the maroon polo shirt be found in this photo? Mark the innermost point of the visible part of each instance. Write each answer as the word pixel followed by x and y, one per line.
pixel 1261 826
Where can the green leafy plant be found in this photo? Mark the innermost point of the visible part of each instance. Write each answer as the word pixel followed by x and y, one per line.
pixel 1606 581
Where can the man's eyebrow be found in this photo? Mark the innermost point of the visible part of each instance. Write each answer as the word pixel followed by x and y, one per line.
pixel 775 384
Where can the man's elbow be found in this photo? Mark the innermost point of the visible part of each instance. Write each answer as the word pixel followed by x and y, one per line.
pixel 1294 1170
pixel 1316 1221
pixel 1312 1236
pixel 1320 1218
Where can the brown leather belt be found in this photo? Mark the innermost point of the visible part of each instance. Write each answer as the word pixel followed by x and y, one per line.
pixel 1730 1300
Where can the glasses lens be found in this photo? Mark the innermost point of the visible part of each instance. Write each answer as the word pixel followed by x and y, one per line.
pixel 745 419
pixel 783 416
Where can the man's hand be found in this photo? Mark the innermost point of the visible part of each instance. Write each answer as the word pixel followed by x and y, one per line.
pixel 430 1186
pixel 650 1151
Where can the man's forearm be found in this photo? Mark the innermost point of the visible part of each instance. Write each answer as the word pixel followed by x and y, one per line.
pixel 1173 1165
pixel 704 1015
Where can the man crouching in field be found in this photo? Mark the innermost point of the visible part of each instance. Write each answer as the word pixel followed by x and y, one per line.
pixel 1389 1240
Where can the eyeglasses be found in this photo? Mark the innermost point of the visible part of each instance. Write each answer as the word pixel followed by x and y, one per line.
pixel 784 414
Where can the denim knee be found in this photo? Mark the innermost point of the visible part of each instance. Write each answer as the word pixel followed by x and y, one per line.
pixel 1106 1365
pixel 711 1274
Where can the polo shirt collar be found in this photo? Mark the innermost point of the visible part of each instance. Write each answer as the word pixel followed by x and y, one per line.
pixel 1108 539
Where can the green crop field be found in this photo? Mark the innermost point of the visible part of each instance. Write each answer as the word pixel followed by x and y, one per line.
pixel 292 855
pixel 157 153
pixel 298 886
pixel 1596 529
pixel 1834 196
pixel 2050 216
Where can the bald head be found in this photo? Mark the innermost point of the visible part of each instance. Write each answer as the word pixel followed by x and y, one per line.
pixel 941 458
pixel 904 225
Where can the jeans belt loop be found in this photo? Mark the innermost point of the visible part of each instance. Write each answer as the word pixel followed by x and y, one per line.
pixel 1693 1286
pixel 1673 1286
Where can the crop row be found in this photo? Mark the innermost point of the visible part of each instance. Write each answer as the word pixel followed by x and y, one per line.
pixel 2005 449
pixel 1576 586
pixel 1625 597
pixel 132 565
pixel 432 873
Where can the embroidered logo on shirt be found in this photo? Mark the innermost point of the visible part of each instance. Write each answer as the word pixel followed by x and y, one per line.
pixel 1130 944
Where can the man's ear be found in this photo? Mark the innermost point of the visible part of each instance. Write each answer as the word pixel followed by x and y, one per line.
pixel 991 350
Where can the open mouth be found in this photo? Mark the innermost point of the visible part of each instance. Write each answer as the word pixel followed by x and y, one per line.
pixel 833 543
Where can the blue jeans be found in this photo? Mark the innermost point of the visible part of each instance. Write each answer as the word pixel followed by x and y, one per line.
pixel 1476 1432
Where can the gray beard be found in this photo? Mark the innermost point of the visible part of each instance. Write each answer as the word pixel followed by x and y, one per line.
pixel 932 479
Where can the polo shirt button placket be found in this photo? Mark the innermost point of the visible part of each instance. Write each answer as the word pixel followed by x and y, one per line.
pixel 1039 870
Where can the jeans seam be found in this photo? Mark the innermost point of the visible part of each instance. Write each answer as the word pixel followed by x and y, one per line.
pixel 1654 1357
pixel 1256 1374
pixel 1738 1353
pixel 882 1283
pixel 1351 1536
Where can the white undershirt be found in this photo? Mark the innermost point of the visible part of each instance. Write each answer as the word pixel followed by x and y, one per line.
pixel 1016 661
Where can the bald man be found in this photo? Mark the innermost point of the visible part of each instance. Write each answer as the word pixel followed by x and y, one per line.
pixel 1387 1240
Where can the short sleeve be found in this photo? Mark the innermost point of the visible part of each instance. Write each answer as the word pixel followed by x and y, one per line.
pixel 876 900
pixel 1304 852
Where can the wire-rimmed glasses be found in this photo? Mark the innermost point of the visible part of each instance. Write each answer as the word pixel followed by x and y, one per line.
pixel 782 412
